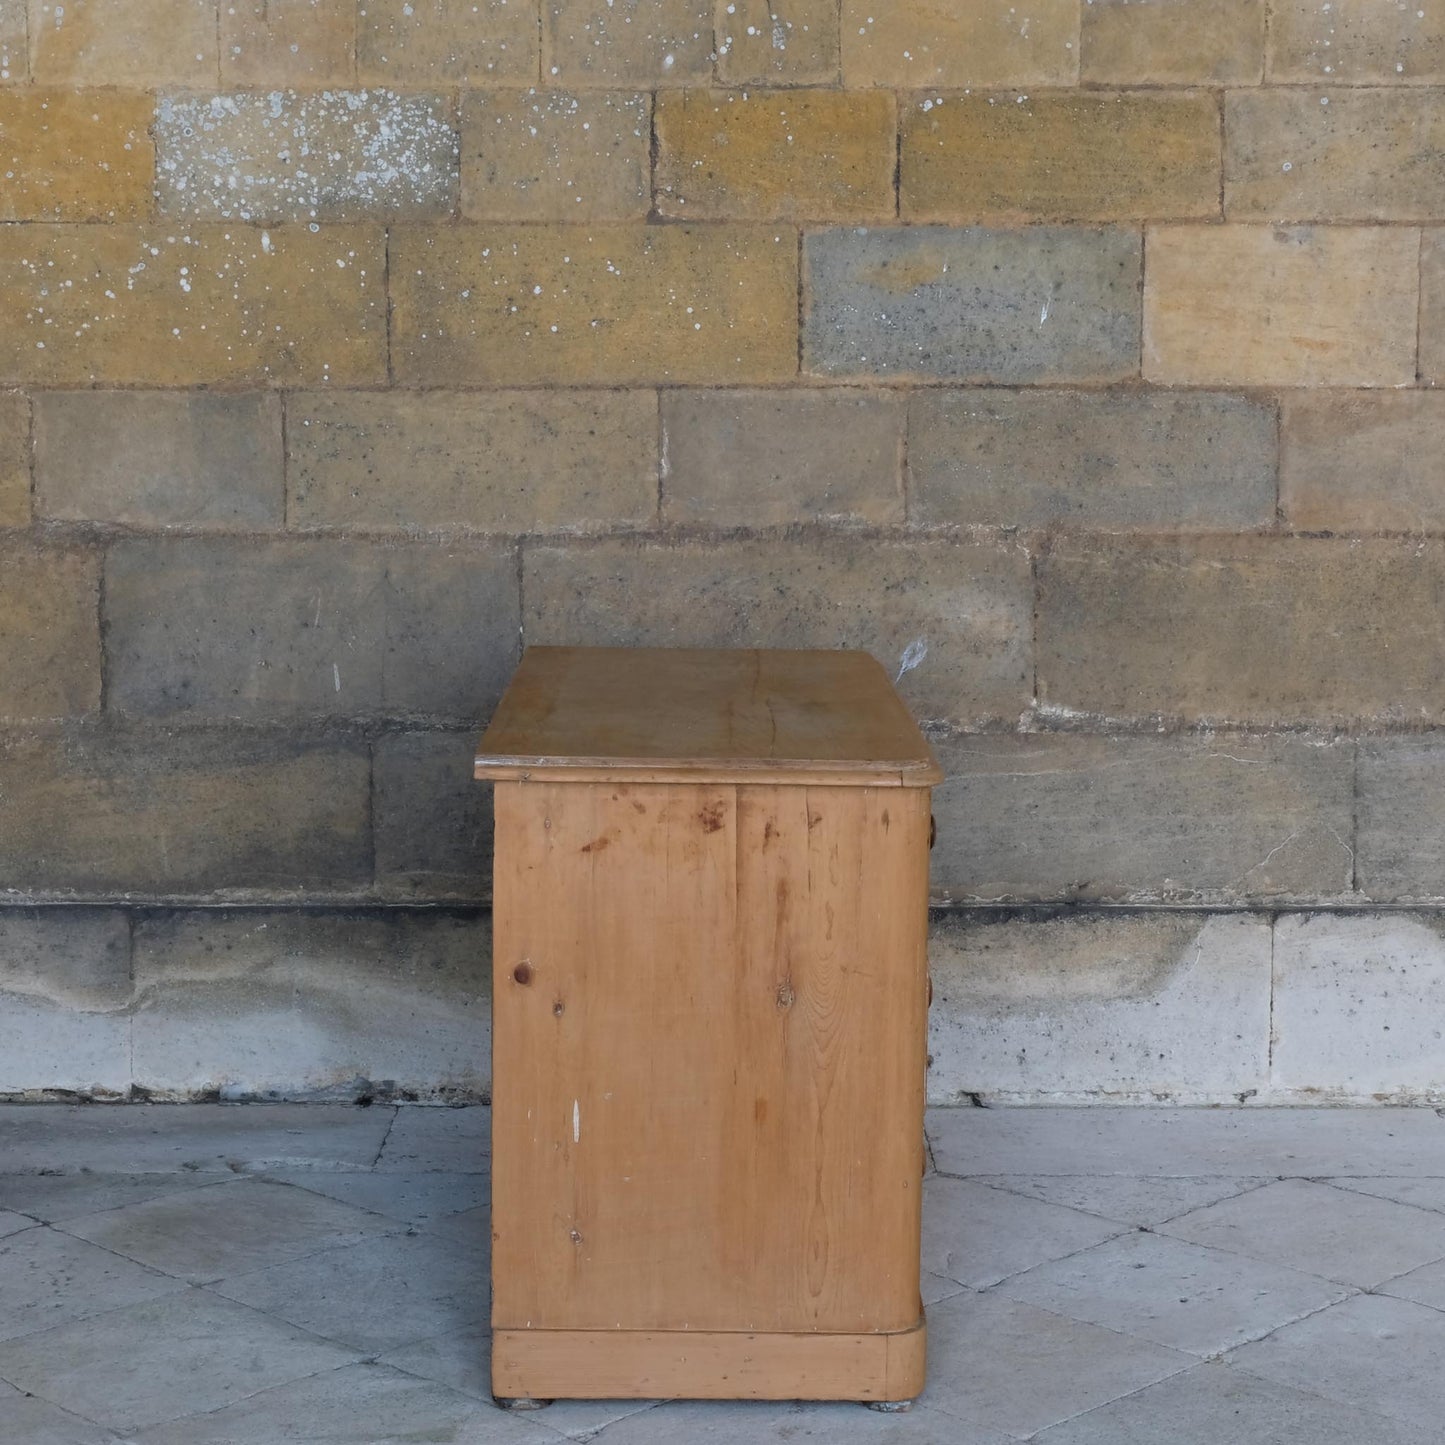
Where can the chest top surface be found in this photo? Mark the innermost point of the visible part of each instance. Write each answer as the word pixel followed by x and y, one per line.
pixel 660 714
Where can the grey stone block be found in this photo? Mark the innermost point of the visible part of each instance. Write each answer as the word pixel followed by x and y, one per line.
pixel 1071 816
pixel 1114 460
pixel 1041 304
pixel 164 814
pixel 433 821
pixel 286 629
pixel 313 1005
pixel 1086 1007
pixel 949 618
pixel 1401 842
pixel 160 459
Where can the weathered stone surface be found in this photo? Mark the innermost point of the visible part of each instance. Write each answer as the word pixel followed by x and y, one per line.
pixel 1060 156
pixel 619 305
pixel 764 42
pixel 284 629
pixel 209 303
pixel 433 821
pixel 14 460
pixel 1432 307
pixel 1078 1006
pixel 767 458
pixel 1357 1006
pixel 950 618
pixel 1069 817
pixel 1261 305
pixel 138 42
pixel 1362 461
pixel 822 155
pixel 288 42
pixel 64 987
pixel 1244 629
pixel 69 155
pixel 627 42
pixel 49 632
pixel 1336 155
pixel 555 155
pixel 310 1005
pixel 1401 843
pixel 1172 42
pixel 1106 459
pixel 1357 44
pixel 440 42
pixel 917 43
pixel 187 813
pixel 1038 305
pixel 160 459
pixel 287 155
pixel 14 57
pixel 519 461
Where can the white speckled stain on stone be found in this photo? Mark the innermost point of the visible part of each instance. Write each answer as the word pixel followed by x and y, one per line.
pixel 288 155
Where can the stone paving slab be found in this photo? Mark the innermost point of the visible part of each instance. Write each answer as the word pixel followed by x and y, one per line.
pixel 1083 1282
pixel 186 1354
pixel 1329 1232
pixel 1372 1352
pixel 204 1138
pixel 1216 1404
pixel 1174 1143
pixel 1125 1199
pixel 1173 1293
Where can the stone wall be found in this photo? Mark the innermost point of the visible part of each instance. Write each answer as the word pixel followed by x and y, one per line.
pixel 1076 357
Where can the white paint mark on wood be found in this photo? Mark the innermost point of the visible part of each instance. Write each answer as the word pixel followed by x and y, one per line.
pixel 576 1122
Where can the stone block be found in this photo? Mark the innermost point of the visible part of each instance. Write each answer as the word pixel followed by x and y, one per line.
pixel 519 461
pixel 446 42
pixel 286 155
pixel 819 155
pixel 1137 819
pixel 433 821
pixel 1376 43
pixel 1432 307
pixel 777 42
pixel 191 459
pixel 739 458
pixel 14 460
pixel 1173 42
pixel 14 44
pixel 1088 1006
pixel 1334 155
pixel 1060 156
pixel 64 991
pixel 288 42
pixel 1044 304
pixel 177 814
pixel 142 42
pixel 1362 461
pixel 207 303
pixel 75 155
pixel 313 1005
pixel 1357 1007
pixel 49 632
pixel 1401 842
pixel 1267 630
pixel 644 43
pixel 1114 460
pixel 613 304
pixel 949 618
pixel 1269 306
pixel 556 155
pixel 286 629
pixel 912 44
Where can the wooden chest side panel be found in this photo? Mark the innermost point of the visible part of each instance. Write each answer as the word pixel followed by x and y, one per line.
pixel 709 1054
